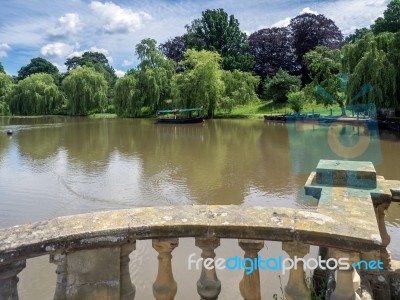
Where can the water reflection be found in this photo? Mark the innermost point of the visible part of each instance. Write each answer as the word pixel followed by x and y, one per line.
pixel 74 165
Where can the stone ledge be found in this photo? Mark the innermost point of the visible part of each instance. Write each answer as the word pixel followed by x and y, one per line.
pixel 102 229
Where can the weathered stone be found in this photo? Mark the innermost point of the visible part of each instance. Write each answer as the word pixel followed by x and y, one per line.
pixel 353 174
pixel 93 274
pixel 249 286
pixel 9 280
pixel 296 288
pixel 208 286
pixel 165 287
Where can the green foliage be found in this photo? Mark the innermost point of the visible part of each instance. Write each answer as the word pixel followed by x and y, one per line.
pixel 296 100
pixel 126 101
pixel 374 60
pixel 35 95
pixel 201 83
pixel 153 76
pixel 390 21
pixel 357 35
pixel 280 85
pixel 37 65
pixel 6 85
pixel 2 68
pixel 99 62
pixel 324 65
pixel 240 87
pixel 86 91
pixel 216 31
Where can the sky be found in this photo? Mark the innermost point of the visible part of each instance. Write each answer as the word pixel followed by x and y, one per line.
pixel 59 29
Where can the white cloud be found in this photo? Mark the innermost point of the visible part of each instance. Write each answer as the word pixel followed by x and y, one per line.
pixel 57 49
pixel 61 68
pixel 126 63
pixel 68 24
pixel 117 19
pixel 92 49
pixel 285 22
pixel 308 10
pixel 281 23
pixel 119 73
pixel 3 49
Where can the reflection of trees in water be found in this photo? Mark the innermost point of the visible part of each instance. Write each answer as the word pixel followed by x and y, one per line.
pixel 5 142
pixel 39 143
pixel 89 143
pixel 213 158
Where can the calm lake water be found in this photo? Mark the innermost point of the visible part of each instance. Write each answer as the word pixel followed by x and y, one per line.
pixel 54 166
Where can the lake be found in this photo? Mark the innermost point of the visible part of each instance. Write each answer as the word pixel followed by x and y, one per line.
pixel 54 166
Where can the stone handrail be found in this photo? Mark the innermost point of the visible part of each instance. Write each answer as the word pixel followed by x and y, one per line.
pixel 102 229
pixel 348 223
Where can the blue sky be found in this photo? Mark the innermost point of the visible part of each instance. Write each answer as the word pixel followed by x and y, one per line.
pixel 58 29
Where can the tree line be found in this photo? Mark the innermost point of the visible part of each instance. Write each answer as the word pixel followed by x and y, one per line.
pixel 217 66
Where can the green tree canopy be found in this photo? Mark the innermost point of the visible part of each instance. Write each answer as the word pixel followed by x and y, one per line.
pixel 99 62
pixel 126 101
pixel 6 85
pixel 86 91
pixel 391 19
pixel 216 31
pixel 280 85
pixel 35 95
pixel 357 35
pixel 37 65
pixel 240 88
pixel 374 60
pixel 2 68
pixel 201 83
pixel 153 76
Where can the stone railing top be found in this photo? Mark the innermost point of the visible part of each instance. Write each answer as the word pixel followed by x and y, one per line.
pixel 328 228
pixel 352 174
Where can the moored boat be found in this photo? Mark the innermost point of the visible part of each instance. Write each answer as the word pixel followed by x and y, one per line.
pixel 177 119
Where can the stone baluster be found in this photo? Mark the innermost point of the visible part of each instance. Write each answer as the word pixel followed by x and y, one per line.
pixel 165 287
pixel 296 288
pixel 380 212
pixel 250 284
pixel 60 259
pixel 128 289
pixel 208 286
pixel 9 279
pixel 347 280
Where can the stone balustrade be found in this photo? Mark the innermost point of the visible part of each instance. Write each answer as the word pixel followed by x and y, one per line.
pixel 348 222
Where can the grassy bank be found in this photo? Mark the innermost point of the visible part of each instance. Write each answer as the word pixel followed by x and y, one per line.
pixel 257 110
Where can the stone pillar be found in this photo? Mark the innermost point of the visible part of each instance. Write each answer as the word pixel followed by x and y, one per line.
pixel 165 287
pixel 347 280
pixel 208 286
pixel 380 212
pixel 128 289
pixel 296 288
pixel 250 284
pixel 9 279
pixel 94 274
pixel 60 259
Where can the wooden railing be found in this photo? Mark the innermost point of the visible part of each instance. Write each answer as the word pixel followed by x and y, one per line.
pixel 91 251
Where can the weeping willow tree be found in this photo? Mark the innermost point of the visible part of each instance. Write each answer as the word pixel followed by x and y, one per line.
pixel 153 76
pixel 328 85
pixel 374 60
pixel 126 100
pixel 6 86
pixel 35 95
pixel 86 91
pixel 201 83
pixel 240 89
